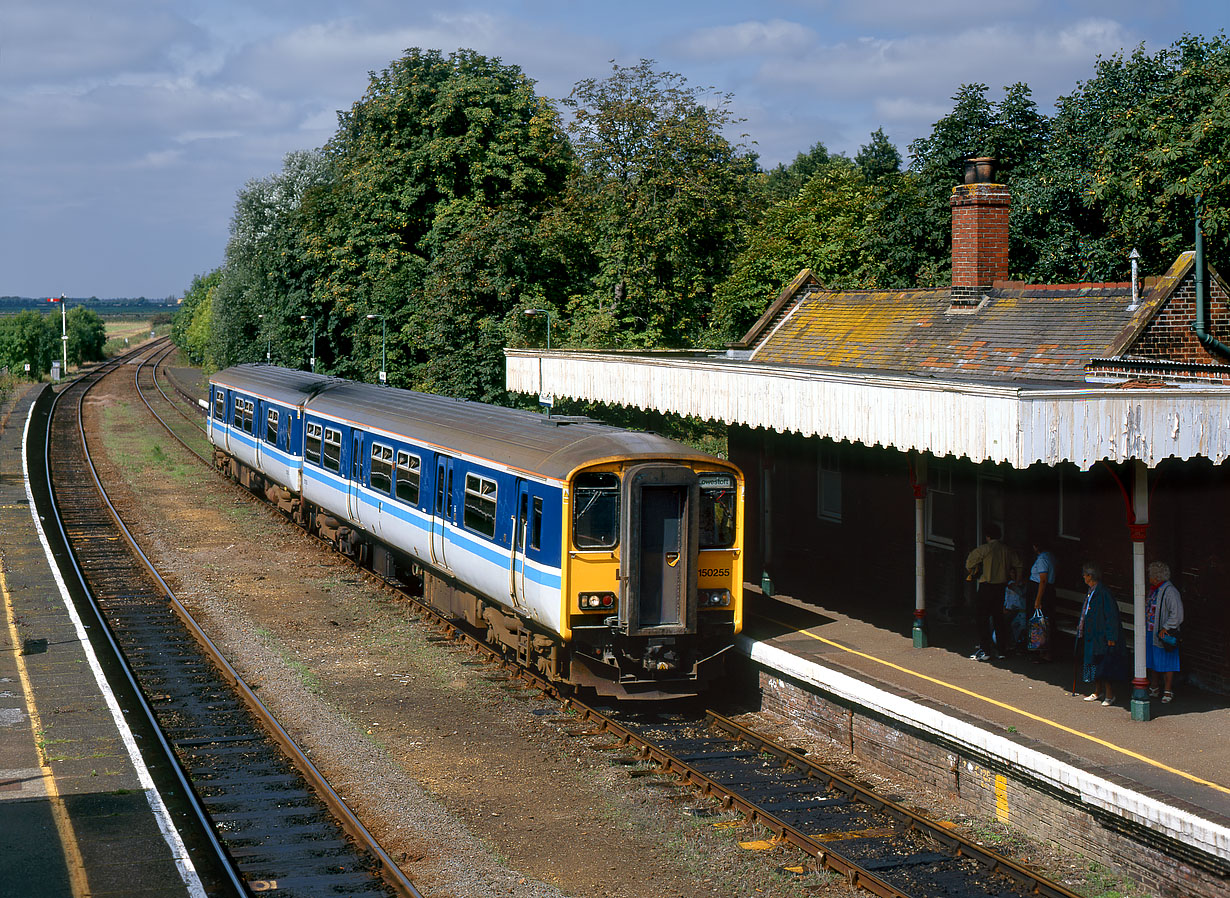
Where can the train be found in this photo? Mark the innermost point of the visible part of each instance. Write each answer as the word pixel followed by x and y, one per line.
pixel 607 559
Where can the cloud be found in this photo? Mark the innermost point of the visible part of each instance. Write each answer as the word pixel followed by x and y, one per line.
pixel 776 38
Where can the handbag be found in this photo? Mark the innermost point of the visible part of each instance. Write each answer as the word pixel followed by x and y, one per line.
pixel 1169 639
pixel 1039 634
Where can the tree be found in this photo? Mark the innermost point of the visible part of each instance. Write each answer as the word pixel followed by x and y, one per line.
pixel 878 157
pixel 87 335
pixel 262 289
pixel 28 338
pixel 821 227
pixel 1013 132
pixel 439 153
pixel 1164 148
pixel 785 181
pixel 661 198
pixel 190 326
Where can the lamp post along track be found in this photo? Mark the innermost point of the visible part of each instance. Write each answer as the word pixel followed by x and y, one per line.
pixel 281 824
pixel 873 842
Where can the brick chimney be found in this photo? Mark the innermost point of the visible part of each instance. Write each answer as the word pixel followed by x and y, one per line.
pixel 979 233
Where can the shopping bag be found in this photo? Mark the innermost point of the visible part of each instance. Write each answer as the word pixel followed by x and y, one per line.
pixel 1038 631
pixel 1014 597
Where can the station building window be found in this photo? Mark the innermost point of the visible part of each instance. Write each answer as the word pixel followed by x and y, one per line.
pixel 828 483
pixel 940 506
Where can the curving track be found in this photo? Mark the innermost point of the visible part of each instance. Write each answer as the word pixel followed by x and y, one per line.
pixel 276 820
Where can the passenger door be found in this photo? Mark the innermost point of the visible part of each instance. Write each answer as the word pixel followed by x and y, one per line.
pixel 660 536
pixel 354 502
pixel 516 558
pixel 442 511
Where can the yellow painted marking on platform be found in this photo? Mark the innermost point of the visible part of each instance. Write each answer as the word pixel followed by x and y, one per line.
pixel 68 839
pixel 1007 707
pixel 1001 798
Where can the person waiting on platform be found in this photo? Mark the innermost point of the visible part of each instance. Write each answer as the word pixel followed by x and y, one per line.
pixel 1098 636
pixel 1042 591
pixel 993 564
pixel 1163 618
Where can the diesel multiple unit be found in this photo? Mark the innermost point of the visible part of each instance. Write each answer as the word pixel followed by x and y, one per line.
pixel 608 558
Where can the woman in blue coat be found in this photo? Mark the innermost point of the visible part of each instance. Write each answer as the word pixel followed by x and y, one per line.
pixel 1100 636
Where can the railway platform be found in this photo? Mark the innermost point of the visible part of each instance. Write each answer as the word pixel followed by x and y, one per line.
pixel 79 814
pixel 1010 738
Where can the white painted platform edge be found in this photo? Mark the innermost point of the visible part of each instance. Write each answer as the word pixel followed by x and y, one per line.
pixel 162 815
pixel 1094 790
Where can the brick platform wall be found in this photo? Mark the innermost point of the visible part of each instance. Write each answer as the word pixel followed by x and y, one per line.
pixel 992 793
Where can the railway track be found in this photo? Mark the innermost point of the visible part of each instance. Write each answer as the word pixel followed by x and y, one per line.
pixel 876 844
pixel 275 819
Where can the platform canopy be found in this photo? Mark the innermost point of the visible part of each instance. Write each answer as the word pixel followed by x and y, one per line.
pixel 1018 424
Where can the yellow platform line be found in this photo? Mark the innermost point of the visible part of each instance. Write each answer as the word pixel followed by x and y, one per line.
pixel 68 839
pixel 1007 707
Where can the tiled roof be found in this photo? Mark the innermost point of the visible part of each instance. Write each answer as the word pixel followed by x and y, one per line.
pixel 1019 332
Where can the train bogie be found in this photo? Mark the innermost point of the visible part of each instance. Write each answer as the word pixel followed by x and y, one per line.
pixel 607 558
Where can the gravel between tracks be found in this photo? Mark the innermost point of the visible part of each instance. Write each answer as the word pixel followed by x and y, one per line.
pixel 473 788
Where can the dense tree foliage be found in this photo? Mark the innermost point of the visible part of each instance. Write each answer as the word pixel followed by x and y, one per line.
pixel 29 338
pixel 87 335
pixel 453 199
pixel 658 201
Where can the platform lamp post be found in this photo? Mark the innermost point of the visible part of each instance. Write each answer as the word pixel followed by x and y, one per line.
pixel 544 399
pixel 384 376
pixel 313 359
pixel 268 342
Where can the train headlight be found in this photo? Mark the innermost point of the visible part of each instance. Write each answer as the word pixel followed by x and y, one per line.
pixel 594 601
pixel 714 598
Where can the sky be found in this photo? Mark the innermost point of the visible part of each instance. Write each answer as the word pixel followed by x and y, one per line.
pixel 127 127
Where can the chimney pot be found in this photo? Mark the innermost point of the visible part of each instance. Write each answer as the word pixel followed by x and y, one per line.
pixel 980 170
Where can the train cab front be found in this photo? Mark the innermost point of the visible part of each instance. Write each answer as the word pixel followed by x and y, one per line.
pixel 655 579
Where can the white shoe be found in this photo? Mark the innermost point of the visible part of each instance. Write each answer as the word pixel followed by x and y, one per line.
pixel 1092 697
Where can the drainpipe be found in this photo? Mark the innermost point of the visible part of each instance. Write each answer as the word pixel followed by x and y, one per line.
pixel 1201 325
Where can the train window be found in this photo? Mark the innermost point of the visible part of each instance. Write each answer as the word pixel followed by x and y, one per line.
pixel 311 443
pixel 220 405
pixel 480 505
pixel 237 414
pixel 536 525
pixel 595 519
pixel 408 477
pixel 331 451
pixel 271 426
pixel 717 511
pixel 381 476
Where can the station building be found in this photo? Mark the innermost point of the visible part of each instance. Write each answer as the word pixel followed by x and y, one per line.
pixel 881 431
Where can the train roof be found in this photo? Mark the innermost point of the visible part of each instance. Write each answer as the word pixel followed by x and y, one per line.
pixel 286 386
pixel 526 440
